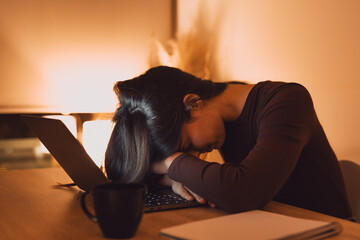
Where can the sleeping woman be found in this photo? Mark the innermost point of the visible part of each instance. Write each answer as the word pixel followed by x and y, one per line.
pixel 271 141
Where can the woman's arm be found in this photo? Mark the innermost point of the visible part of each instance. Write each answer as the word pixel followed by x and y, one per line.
pixel 284 130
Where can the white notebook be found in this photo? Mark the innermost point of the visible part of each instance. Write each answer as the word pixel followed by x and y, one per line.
pixel 256 224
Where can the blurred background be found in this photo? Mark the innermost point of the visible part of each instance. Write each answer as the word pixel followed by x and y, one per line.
pixel 61 59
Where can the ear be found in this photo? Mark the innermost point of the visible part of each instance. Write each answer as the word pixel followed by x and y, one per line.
pixel 192 101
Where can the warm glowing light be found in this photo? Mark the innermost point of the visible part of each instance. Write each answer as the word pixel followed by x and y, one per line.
pixel 83 85
pixel 66 55
pixel 96 135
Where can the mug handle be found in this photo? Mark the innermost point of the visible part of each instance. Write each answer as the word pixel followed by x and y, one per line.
pixel 83 205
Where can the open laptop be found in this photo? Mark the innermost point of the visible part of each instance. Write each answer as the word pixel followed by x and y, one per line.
pixel 73 158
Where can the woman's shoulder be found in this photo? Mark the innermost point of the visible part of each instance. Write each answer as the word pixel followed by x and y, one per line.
pixel 268 96
pixel 271 86
pixel 275 89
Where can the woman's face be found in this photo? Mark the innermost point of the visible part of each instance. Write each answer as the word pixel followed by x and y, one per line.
pixel 204 132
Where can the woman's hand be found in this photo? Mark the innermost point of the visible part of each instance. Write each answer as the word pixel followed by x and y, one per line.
pixel 162 167
pixel 188 194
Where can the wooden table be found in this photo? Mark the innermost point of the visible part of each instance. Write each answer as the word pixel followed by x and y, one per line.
pixel 32 207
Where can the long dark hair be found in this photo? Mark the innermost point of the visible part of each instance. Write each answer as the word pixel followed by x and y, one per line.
pixel 148 123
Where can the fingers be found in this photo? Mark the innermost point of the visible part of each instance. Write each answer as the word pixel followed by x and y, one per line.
pixel 212 205
pixel 179 189
pixel 188 194
pixel 197 197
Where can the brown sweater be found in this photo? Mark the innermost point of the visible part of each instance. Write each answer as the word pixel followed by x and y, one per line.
pixel 275 150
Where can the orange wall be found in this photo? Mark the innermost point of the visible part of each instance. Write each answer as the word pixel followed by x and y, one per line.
pixel 69 53
pixel 315 43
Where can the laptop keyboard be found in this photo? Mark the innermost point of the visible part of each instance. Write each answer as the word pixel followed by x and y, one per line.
pixel 155 199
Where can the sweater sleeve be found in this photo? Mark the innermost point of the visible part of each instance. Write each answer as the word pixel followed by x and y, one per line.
pixel 283 130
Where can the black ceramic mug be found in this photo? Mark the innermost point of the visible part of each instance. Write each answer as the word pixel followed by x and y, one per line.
pixel 118 208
